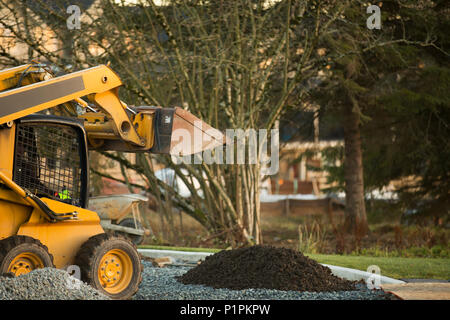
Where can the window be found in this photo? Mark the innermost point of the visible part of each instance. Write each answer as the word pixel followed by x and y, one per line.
pixel 47 161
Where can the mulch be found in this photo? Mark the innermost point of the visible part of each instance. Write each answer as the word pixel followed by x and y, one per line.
pixel 265 267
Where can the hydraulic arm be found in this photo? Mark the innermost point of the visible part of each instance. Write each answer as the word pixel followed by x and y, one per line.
pixel 109 122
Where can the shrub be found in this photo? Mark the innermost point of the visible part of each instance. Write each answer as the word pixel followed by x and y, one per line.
pixel 439 251
pixel 417 252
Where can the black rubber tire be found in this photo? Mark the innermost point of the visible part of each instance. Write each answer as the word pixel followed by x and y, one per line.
pixel 90 254
pixel 12 246
pixel 129 222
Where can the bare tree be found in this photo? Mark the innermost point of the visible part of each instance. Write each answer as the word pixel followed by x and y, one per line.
pixel 235 64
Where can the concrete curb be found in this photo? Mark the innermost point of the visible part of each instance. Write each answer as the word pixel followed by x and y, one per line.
pixel 182 256
pixel 194 257
pixel 355 275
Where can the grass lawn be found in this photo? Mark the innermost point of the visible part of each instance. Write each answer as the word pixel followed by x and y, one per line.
pixel 423 268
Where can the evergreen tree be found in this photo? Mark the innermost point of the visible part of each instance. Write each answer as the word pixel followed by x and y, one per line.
pixel 391 96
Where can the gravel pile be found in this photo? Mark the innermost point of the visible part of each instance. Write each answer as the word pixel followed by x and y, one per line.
pixel 159 284
pixel 47 284
pixel 162 284
pixel 265 267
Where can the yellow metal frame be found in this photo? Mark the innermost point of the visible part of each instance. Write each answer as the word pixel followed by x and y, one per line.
pixel 20 216
pixel 63 238
pixel 100 84
pixel 10 77
pixel 109 123
pixel 7 138
pixel 14 211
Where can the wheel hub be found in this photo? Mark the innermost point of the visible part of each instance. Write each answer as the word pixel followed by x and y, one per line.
pixel 25 263
pixel 115 271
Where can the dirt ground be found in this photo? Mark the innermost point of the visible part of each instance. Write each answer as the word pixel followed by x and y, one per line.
pixel 265 267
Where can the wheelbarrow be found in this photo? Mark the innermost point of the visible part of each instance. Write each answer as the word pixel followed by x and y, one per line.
pixel 120 214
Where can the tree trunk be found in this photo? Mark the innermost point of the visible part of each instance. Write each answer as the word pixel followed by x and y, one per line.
pixel 355 210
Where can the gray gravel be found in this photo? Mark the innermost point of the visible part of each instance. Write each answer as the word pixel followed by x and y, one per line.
pixel 47 284
pixel 161 284
pixel 157 284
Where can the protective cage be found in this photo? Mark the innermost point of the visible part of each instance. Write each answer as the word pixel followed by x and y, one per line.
pixel 49 161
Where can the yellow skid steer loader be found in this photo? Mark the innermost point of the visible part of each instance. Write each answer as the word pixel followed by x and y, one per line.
pixel 44 165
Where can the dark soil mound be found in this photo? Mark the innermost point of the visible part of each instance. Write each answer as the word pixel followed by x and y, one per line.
pixel 264 267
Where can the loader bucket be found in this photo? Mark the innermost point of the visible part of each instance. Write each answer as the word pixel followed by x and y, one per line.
pixel 179 132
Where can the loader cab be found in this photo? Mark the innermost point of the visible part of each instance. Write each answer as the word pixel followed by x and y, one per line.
pixel 51 158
